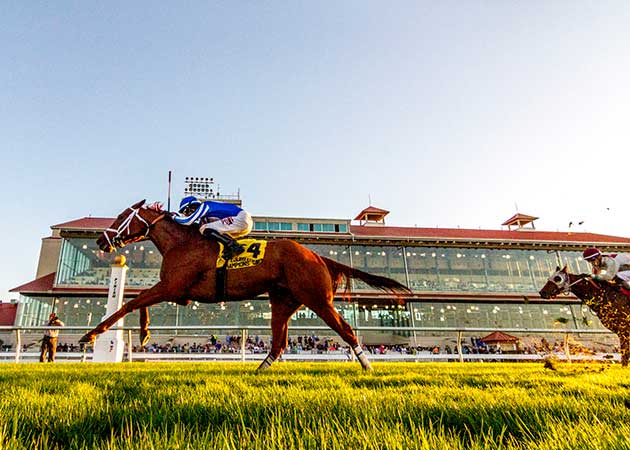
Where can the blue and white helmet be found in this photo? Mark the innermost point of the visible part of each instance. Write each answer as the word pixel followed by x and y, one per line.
pixel 191 200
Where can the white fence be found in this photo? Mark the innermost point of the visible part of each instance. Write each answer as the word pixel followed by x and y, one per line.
pixel 17 355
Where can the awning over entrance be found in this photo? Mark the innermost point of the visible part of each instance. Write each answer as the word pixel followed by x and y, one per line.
pixel 499 337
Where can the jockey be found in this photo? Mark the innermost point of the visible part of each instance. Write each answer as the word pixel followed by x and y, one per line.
pixel 222 221
pixel 609 267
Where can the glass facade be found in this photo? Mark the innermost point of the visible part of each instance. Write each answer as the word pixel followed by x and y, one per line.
pixel 83 264
pixel 485 270
pixel 423 269
pixel 426 270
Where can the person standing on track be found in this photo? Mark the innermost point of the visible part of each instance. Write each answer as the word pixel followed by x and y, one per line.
pixel 49 342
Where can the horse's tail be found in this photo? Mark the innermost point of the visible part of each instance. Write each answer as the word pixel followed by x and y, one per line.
pixel 339 272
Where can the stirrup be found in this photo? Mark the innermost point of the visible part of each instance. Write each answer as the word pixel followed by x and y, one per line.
pixel 232 249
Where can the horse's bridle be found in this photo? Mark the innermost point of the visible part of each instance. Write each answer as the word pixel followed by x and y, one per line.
pixel 561 279
pixel 119 241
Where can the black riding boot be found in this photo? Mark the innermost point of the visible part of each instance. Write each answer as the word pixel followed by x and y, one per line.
pixel 231 248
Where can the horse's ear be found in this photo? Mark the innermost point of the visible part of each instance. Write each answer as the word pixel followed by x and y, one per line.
pixel 557 268
pixel 139 204
pixel 564 269
pixel 156 206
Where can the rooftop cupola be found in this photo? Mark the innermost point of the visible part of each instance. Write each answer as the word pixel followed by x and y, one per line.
pixel 371 216
pixel 520 222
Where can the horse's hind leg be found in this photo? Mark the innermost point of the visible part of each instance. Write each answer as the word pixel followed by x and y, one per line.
pixel 333 319
pixel 282 308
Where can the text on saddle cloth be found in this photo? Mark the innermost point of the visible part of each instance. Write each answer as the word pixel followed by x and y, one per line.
pixel 252 256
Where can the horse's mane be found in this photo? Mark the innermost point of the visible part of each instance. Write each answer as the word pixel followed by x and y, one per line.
pixel 608 291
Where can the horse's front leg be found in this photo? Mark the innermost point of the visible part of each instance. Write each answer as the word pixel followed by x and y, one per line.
pixel 151 296
pixel 145 321
pixel 282 308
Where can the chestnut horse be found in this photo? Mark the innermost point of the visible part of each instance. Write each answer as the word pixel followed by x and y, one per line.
pixel 603 298
pixel 291 274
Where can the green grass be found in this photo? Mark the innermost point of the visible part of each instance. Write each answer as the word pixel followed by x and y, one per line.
pixel 318 406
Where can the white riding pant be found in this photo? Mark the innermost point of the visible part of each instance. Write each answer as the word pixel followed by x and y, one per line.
pixel 235 227
pixel 624 276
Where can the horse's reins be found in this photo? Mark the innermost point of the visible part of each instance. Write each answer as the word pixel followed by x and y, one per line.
pixel 117 241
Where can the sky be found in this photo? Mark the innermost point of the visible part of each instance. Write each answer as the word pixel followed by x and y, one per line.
pixel 445 113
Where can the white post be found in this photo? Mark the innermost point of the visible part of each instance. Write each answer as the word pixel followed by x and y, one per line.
pixel 129 346
pixel 459 346
pixel 18 345
pixel 110 345
pixel 243 339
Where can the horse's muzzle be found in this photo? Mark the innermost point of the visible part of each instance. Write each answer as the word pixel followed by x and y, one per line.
pixel 104 245
pixel 545 294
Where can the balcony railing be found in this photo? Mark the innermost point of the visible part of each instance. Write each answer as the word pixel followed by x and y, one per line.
pixel 18 355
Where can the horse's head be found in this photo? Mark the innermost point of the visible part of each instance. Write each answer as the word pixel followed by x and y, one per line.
pixel 132 225
pixel 557 283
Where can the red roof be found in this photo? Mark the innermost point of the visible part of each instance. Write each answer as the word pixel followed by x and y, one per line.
pixel 499 336
pixel 45 284
pixel 41 284
pixel 383 232
pixel 8 312
pixel 462 234
pixel 86 223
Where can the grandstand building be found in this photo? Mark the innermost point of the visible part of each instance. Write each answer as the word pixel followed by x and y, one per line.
pixel 459 277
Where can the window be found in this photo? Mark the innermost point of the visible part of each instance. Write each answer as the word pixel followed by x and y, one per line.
pixel 303 227
pixel 260 226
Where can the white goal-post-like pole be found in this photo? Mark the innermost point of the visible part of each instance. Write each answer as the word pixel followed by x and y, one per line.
pixel 110 345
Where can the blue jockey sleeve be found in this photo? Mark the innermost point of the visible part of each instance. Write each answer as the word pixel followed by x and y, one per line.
pixel 210 209
pixel 221 210
pixel 194 217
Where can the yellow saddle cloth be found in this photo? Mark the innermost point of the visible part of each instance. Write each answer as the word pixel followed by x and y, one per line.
pixel 252 256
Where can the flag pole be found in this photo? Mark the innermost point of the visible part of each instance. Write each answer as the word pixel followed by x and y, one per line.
pixel 168 204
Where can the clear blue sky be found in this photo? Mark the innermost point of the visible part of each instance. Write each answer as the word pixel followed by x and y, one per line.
pixel 448 113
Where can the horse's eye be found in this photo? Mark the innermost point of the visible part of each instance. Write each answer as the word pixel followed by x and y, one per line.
pixel 557 279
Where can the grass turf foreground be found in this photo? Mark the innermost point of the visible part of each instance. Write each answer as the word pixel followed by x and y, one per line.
pixel 313 406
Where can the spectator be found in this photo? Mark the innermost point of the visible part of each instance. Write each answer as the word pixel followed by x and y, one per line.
pixel 49 342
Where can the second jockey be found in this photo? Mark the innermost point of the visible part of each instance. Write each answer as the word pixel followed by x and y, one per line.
pixel 224 222
pixel 609 267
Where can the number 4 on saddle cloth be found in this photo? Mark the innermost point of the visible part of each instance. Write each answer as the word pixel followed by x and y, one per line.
pixel 252 256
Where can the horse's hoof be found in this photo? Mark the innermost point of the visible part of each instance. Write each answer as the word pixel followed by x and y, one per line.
pixel 144 338
pixel 87 339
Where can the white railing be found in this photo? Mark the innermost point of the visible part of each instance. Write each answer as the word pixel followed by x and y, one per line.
pixel 243 330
